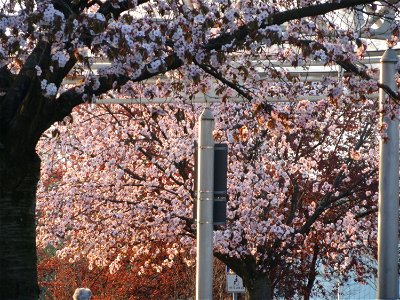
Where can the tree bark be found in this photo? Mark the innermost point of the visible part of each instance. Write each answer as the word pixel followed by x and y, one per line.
pixel 18 180
pixel 312 275
pixel 258 288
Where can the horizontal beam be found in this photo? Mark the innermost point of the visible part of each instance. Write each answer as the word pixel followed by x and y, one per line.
pixel 204 98
pixel 368 59
pixel 315 72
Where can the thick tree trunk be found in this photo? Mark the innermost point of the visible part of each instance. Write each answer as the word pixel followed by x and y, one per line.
pixel 18 181
pixel 258 288
pixel 312 275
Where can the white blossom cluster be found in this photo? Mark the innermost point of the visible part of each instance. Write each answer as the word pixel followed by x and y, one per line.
pixel 61 57
pixel 49 89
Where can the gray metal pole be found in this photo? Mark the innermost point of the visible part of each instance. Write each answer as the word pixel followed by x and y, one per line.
pixel 205 195
pixel 234 296
pixel 388 276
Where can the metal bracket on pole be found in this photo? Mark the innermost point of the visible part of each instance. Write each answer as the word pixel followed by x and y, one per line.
pixel 388 216
pixel 220 183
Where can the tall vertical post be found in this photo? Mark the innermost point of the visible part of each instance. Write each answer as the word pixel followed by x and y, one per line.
pixel 205 195
pixel 388 216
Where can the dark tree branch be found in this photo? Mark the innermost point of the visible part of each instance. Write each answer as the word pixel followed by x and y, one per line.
pixel 64 6
pixel 6 80
pixel 312 273
pixel 294 200
pixel 353 69
pixel 345 64
pixel 23 104
pixel 216 74
pixel 240 35
pixel 71 98
pixel 110 11
pixel 367 213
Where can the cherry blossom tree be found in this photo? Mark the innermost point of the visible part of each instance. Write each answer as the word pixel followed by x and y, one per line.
pixel 59 278
pixel 47 54
pixel 302 189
